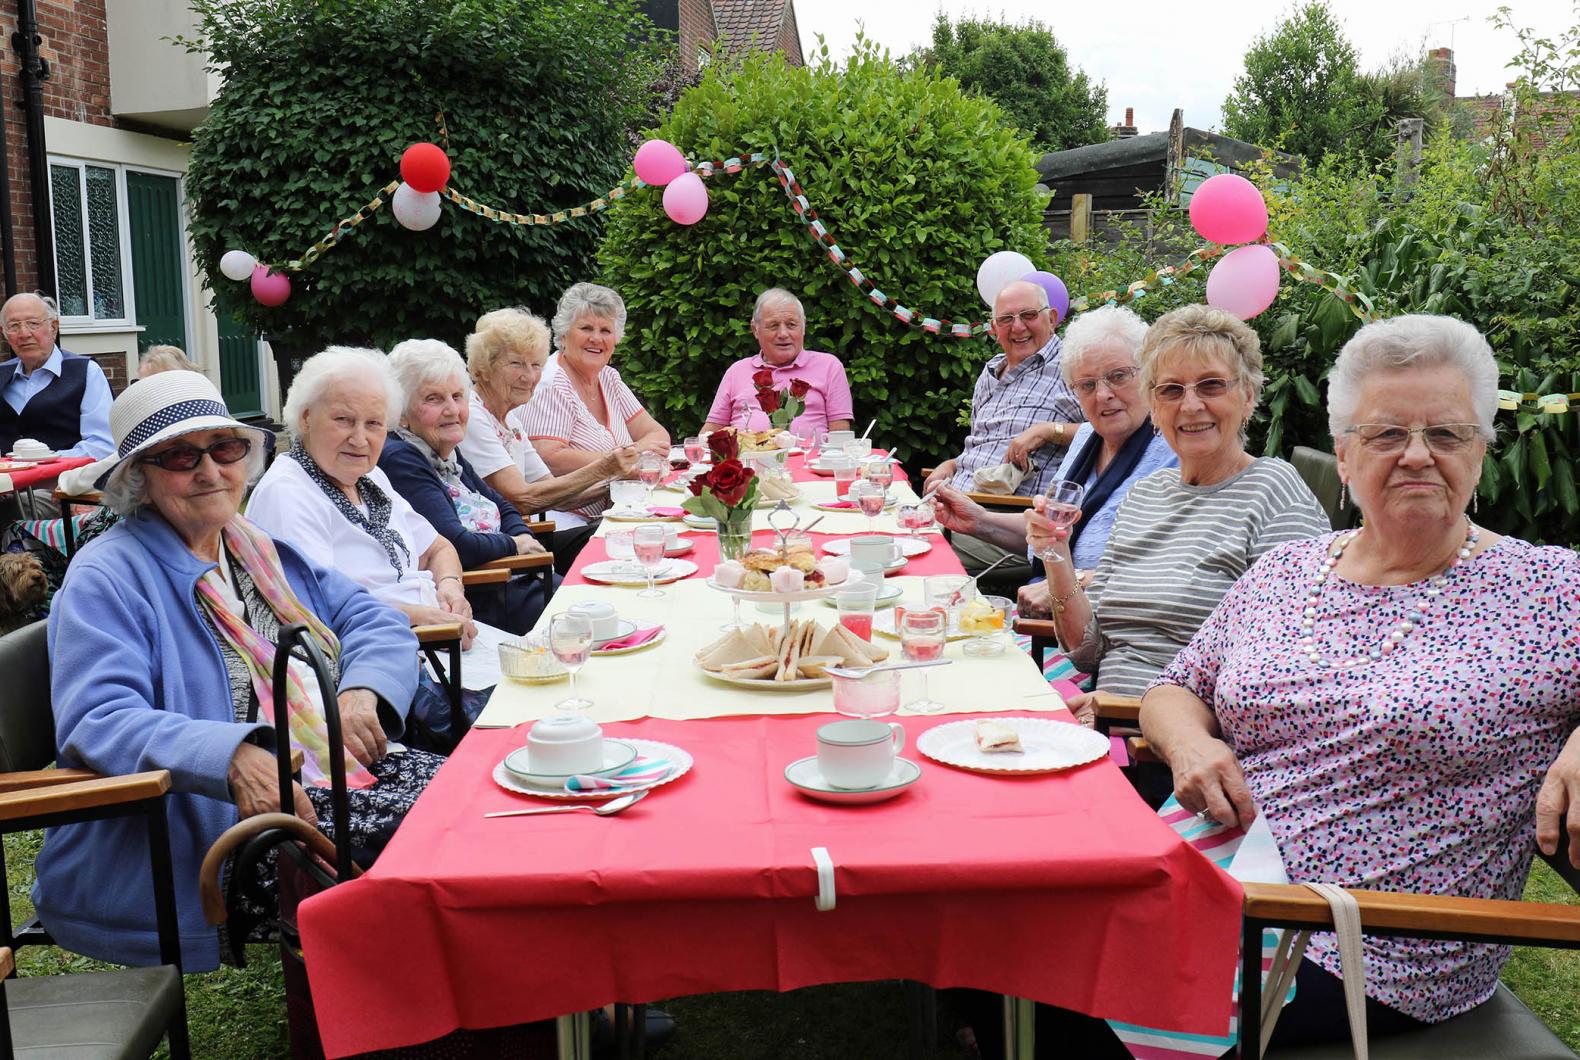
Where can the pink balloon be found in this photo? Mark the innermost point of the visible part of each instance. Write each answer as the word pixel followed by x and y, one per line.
pixel 1244 282
pixel 1228 209
pixel 658 162
pixel 686 199
pixel 270 288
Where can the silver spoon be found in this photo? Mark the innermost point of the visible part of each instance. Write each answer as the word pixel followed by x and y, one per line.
pixel 847 671
pixel 603 810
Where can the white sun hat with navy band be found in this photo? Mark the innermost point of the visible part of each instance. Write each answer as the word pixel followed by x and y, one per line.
pixel 164 406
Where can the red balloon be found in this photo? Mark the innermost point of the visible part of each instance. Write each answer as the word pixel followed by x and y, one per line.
pixel 425 167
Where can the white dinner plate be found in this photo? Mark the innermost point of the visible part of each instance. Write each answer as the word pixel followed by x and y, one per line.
pixel 1049 745
pixel 805 776
pixel 886 596
pixel 617 754
pixel 699 522
pixel 884 622
pixel 679 760
pixel 637 515
pixel 628 572
pixel 909 546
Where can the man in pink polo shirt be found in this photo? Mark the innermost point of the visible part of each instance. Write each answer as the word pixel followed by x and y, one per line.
pixel 779 323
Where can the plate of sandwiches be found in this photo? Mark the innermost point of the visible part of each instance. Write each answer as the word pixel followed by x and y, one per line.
pixel 1012 745
pixel 785 659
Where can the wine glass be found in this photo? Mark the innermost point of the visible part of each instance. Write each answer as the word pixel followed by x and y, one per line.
pixel 1063 509
pixel 914 518
pixel 922 637
pixel 648 544
pixel 869 499
pixel 880 473
pixel 696 450
pixel 570 639
pixel 650 470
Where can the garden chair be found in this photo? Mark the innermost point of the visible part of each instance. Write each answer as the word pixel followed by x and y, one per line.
pixel 81 1013
pixel 1321 473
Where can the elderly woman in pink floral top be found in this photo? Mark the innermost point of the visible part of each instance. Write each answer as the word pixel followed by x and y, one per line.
pixel 1399 701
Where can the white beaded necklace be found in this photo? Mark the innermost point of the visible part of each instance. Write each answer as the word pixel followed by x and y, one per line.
pixel 1414 615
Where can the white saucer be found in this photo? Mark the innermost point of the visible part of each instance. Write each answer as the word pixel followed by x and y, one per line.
pixel 804 775
pixel 699 522
pixel 679 759
pixel 886 596
pixel 908 546
pixel 48 454
pixel 624 627
pixel 617 754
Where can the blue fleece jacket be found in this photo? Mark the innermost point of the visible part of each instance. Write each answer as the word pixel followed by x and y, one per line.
pixel 138 683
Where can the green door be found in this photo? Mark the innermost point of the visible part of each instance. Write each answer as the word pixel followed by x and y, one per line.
pixel 239 382
pixel 158 265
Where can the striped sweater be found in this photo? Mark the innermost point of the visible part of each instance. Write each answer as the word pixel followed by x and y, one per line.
pixel 1173 553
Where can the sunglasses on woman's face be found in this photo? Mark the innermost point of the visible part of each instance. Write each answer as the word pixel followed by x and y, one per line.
pixel 187 457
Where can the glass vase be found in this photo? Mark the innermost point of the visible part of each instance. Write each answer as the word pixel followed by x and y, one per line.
pixel 735 540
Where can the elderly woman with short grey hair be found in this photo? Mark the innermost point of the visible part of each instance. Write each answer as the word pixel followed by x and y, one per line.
pixel 781 363
pixel 585 411
pixel 1400 701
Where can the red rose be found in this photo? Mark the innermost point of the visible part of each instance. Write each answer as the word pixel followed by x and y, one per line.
pixel 763 378
pixel 769 400
pixel 729 481
pixel 696 484
pixel 724 446
pixel 799 388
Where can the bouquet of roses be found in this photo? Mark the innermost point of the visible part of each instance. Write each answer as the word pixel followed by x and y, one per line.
pixel 782 406
pixel 728 486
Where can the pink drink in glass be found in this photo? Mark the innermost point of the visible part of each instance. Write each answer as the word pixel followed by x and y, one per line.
pixel 651 475
pixel 859 624
pixel 871 503
pixel 696 452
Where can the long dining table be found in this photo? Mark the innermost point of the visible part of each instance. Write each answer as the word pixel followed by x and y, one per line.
pixel 1061 888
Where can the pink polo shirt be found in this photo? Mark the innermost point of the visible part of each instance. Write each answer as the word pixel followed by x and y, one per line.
pixel 829 398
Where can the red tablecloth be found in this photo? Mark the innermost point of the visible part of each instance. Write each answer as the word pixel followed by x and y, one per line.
pixel 1061 888
pixel 705 554
pixel 27 477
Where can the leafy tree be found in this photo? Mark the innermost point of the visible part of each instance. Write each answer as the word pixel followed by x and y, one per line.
pixel 319 99
pixel 1025 70
pixel 917 182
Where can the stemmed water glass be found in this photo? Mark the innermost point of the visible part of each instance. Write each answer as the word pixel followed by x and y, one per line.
pixel 570 639
pixel 922 637
pixel 648 544
pixel 1062 509
pixel 650 469
pixel 880 473
pixel 696 450
pixel 869 498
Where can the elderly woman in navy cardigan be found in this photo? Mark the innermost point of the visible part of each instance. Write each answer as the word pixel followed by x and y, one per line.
pixel 425 465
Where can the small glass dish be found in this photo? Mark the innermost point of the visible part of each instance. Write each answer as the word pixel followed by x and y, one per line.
pixel 985 618
pixel 530 661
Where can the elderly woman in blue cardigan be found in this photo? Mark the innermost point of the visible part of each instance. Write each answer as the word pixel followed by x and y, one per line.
pixel 425 465
pixel 161 647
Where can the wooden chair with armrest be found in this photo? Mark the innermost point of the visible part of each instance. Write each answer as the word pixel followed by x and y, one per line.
pixel 1001 501
pixel 68 502
pixel 56 1015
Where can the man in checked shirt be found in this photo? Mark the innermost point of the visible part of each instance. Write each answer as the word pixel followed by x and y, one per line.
pixel 1022 411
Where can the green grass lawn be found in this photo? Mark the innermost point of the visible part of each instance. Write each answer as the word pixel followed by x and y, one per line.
pixel 239 1013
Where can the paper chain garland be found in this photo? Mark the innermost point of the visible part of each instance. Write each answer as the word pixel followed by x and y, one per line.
pixel 1338 286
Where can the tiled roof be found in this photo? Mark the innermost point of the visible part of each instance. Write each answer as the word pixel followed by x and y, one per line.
pixel 749 23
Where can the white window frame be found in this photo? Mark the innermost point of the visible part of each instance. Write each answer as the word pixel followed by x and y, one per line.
pixel 81 323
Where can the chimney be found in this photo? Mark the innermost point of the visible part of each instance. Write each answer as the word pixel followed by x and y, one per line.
pixel 1128 129
pixel 1440 72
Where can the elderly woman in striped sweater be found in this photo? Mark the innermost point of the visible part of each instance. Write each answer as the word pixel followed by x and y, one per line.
pixel 1183 535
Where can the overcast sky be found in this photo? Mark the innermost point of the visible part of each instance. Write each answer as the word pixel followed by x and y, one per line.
pixel 1155 55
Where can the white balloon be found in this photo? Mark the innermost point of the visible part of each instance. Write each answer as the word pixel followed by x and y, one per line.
pixel 416 210
pixel 237 265
pixel 999 271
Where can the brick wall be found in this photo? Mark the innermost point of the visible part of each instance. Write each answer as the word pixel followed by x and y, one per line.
pixel 697 30
pixel 789 42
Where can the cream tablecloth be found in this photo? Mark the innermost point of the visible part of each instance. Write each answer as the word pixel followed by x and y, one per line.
pixel 812 492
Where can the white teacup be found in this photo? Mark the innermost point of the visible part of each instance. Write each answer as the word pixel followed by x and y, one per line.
pixel 29 447
pixel 565 744
pixel 840 439
pixel 872 552
pixel 857 754
pixel 604 618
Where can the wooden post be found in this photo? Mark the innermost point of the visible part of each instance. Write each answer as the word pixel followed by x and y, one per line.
pixel 1174 166
pixel 1408 131
pixel 1080 217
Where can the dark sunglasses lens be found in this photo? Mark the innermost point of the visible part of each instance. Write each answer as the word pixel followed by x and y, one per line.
pixel 231 451
pixel 182 458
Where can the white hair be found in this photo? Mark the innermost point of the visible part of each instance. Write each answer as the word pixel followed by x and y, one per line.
pixel 1106 327
pixel 51 309
pixel 1416 340
pixel 777 296
pixel 127 490
pixel 340 364
pixel 588 299
pixel 420 362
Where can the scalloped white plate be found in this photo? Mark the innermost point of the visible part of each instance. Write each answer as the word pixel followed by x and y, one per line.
pixel 1050 746
pixel 679 759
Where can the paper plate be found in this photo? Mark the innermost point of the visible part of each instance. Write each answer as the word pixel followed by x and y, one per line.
pixel 636 515
pixel 1050 746
pixel 626 572
pixel 679 759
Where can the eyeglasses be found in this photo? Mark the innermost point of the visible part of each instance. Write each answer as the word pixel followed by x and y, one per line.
pixel 1439 437
pixel 1203 388
pixel 1119 377
pixel 16 327
pixel 1025 316
pixel 187 457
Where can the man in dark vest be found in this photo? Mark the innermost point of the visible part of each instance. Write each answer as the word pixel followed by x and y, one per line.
pixel 61 399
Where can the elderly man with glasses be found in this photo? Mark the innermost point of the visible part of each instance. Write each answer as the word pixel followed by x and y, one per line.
pixel 1020 388
pixel 61 399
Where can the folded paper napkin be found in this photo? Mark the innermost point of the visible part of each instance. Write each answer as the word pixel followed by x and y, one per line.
pixel 1000 478
pixel 631 640
pixel 839 504
pixel 641 772
pixel 666 513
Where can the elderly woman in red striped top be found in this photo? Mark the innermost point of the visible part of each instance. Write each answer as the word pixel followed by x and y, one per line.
pixel 585 410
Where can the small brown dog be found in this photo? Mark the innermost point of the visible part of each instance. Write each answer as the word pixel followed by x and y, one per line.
pixel 22 588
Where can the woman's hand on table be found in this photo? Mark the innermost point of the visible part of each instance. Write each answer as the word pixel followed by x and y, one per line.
pixel 254 777
pixel 527 545
pixel 360 729
pixel 1084 706
pixel 1558 802
pixel 1207 777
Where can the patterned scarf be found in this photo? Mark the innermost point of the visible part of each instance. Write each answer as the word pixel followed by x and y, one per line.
pixel 376 523
pixel 253 549
pixel 476 512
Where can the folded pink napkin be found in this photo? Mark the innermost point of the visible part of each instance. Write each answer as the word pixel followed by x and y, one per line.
pixel 839 504
pixel 631 640
pixel 666 513
pixel 641 771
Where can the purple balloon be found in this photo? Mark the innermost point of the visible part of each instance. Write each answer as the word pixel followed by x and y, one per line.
pixel 658 162
pixel 686 199
pixel 1244 282
pixel 1058 294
